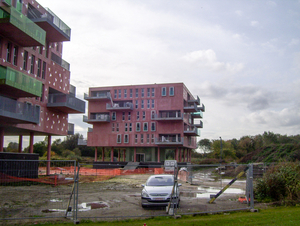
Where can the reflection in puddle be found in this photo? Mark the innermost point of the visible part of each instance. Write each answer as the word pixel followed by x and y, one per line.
pixel 92 205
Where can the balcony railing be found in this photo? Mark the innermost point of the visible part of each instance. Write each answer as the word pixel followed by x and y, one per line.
pixel 168 140
pixel 197 101
pixel 167 116
pixel 202 108
pixel 17 82
pixel 97 118
pixel 66 103
pixel 18 112
pixel 60 61
pixel 198 125
pixel 191 131
pixel 96 95
pixel 70 129
pixel 197 114
pixel 190 107
pixel 82 142
pixel 119 106
pixel 57 30
pixel 20 29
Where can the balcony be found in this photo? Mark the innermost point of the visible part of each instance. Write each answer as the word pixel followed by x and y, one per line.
pixel 16 84
pixel 60 61
pixel 120 105
pixel 18 28
pixel 98 95
pixel 169 140
pixel 15 112
pixel 70 129
pixel 57 30
pixel 97 117
pixel 190 107
pixel 167 116
pixel 66 103
pixel 196 101
pixel 82 142
pixel 191 131
pixel 197 114
pixel 202 108
pixel 198 125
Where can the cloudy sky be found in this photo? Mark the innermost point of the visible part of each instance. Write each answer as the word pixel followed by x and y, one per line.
pixel 241 57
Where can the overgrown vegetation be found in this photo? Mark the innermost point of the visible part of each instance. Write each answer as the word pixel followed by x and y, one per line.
pixel 280 184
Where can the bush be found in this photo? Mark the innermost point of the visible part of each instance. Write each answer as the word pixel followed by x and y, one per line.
pixel 280 183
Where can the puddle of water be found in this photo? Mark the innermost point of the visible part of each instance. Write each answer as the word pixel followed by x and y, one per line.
pixel 92 205
pixel 55 200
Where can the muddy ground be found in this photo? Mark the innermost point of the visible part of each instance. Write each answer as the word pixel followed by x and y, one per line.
pixel 116 198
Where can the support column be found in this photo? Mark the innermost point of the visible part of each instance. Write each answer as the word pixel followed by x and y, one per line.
pixel 179 154
pixel 119 155
pixel 48 155
pixel 134 154
pixel 176 154
pixel 96 154
pixel 124 155
pixel 112 154
pixel 183 155
pixel 20 143
pixel 1 139
pixel 158 154
pixel 102 154
pixel 31 142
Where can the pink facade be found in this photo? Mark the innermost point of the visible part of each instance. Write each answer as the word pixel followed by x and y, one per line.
pixel 151 122
pixel 35 92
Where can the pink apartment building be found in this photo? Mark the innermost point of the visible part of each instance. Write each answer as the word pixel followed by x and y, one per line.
pixel 144 123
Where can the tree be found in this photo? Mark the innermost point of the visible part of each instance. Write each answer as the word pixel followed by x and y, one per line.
pixel 71 142
pixel 205 145
pixel 40 148
pixel 12 147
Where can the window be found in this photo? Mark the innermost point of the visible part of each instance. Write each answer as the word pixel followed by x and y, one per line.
pixel 41 50
pixel 163 91
pixel 136 93
pixel 39 68
pixel 142 104
pixel 115 94
pixel 125 93
pixel 145 126
pixel 129 116
pixel 47 50
pixel 126 127
pixel 171 91
pixel 136 104
pixel 8 52
pixel 152 138
pixel 123 115
pixel 120 93
pixel 148 138
pixel 136 138
pixel 153 126
pixel 138 127
pixel 142 138
pixel 113 127
pixel 152 114
pixel 57 47
pixel 130 127
pixel 144 115
pixel 15 59
pixel 142 92
pixel 153 105
pixel 113 116
pixel 153 92
pixel 148 104
pixel 44 70
pixel 43 93
pixel 126 138
pixel 119 139
pixel 117 129
pixel 25 59
pixel 32 64
pixel 130 93
pixel 148 92
pixel 137 115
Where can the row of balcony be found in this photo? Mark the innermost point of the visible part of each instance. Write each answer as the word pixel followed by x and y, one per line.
pixel 31 30
pixel 98 95
pixel 66 103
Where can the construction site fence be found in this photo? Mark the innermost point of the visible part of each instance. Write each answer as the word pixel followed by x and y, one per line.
pixel 36 189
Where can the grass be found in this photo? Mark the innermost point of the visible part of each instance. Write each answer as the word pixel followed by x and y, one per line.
pixel 272 216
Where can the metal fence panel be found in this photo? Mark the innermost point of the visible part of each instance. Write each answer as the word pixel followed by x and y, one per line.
pixel 27 191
